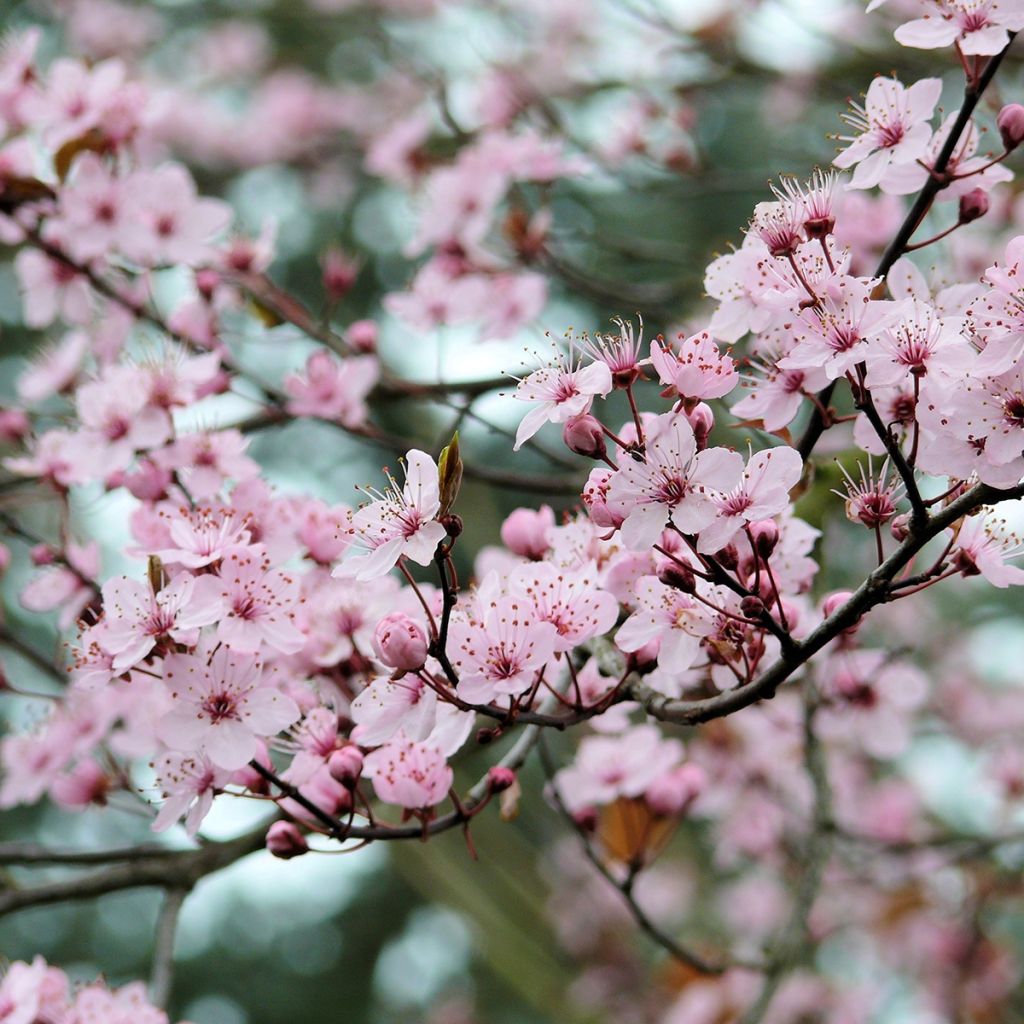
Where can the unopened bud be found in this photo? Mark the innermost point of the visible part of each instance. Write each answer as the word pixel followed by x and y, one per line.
pixel 679 577
pixel 973 205
pixel 900 527
pixel 525 532
pixel 728 557
pixel 362 336
pixel 339 273
pixel 765 535
pixel 1011 125
pixel 583 435
pixel 702 419
pixel 834 601
pixel 400 643
pixel 346 765
pixel 586 818
pixel 500 778
pixel 42 554
pixel 752 607
pixel 452 524
pixel 284 840
pixel 14 425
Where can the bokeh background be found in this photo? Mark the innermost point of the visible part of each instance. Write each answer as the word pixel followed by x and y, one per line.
pixel 731 94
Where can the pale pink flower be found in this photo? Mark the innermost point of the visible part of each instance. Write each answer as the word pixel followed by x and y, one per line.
pixel 94 212
pixel 695 368
pixel 51 289
pixel 763 492
pixel 67 587
pixel 188 784
pixel 333 389
pixel 676 620
pixel 205 461
pixel 53 369
pixel 833 335
pixel 389 705
pixel 892 128
pixel 60 456
pixel 32 993
pixel 258 603
pixel 97 1004
pixel 203 536
pixel 137 619
pixel 76 97
pixel 674 483
pixel 170 223
pixel 918 343
pixel 398 523
pixel 116 418
pixel 222 707
pixel 562 390
pixel 500 650
pixel 973 171
pixel 570 599
pixel 985 545
pixel 409 774
pixel 608 767
pixel 976 26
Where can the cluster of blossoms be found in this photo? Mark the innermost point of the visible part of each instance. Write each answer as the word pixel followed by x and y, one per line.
pixel 329 661
pixel 40 994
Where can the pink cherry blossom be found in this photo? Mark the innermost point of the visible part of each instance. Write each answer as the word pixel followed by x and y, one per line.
pixel 333 389
pixel 187 783
pixel 667 615
pixel 608 767
pixel 398 523
pixel 258 603
pixel 500 650
pixel 137 619
pixel 562 390
pixel 892 128
pixel 673 484
pixel 695 368
pixel 976 26
pixel 409 773
pixel 763 492
pixel 221 707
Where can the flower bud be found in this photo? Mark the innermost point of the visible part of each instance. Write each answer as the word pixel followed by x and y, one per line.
pixel 525 532
pixel 339 273
pixel 728 557
pixel 1011 125
pixel 834 601
pixel 400 642
pixel 583 435
pixel 14 425
pixel 702 419
pixel 973 205
pixel 752 607
pixel 679 577
pixel 362 336
pixel 284 840
pixel 671 795
pixel 900 527
pixel 346 765
pixel 453 525
pixel 500 778
pixel 207 280
pixel 586 818
pixel 42 554
pixel 765 535
pixel 87 783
